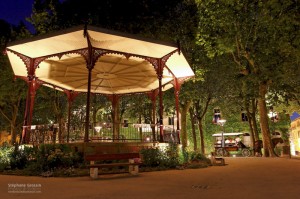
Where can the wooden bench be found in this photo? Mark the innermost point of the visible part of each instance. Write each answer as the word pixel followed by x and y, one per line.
pixel 216 161
pixel 133 162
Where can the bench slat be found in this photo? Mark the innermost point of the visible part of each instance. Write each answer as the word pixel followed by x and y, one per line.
pixel 111 165
pixel 120 156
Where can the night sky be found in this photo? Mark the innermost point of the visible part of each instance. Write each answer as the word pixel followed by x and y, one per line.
pixel 14 11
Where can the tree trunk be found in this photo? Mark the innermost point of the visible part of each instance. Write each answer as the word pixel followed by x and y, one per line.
pixel 201 133
pixel 140 129
pixel 153 121
pixel 253 115
pixel 13 125
pixel 250 123
pixel 61 129
pixel 13 134
pixel 192 119
pixel 94 120
pixel 200 117
pixel 116 119
pixel 184 109
pixel 267 144
pixel 12 121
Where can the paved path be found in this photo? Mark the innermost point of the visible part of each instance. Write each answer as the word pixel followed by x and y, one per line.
pixel 241 178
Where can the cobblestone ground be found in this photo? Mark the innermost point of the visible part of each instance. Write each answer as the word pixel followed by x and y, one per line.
pixel 240 178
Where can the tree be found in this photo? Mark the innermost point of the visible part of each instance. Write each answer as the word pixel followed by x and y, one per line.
pixel 261 36
pixel 165 20
pixel 11 98
pixel 98 103
pixel 44 16
pixel 12 91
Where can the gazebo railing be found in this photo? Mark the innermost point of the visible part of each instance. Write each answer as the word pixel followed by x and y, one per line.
pixel 134 132
pixel 126 132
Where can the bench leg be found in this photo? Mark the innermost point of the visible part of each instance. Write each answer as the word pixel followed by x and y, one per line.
pixel 222 161
pixel 133 169
pixel 93 171
pixel 213 160
pixel 217 161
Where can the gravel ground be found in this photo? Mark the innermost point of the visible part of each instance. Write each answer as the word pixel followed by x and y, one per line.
pixel 241 178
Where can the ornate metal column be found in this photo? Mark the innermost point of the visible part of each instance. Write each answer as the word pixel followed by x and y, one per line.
pixel 71 97
pixel 33 85
pixel 159 76
pixel 90 65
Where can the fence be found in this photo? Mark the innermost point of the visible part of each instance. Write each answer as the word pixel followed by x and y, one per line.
pixel 128 132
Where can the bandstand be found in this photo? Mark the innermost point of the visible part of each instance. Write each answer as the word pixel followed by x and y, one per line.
pixel 87 59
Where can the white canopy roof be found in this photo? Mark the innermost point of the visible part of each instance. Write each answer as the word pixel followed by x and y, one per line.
pixel 126 64
pixel 227 134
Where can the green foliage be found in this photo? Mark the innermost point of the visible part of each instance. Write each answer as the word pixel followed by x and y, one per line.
pixel 184 155
pixel 282 125
pixel 194 159
pixel 262 38
pixel 5 153
pixel 196 156
pixel 44 16
pixel 20 157
pixel 12 157
pixel 161 157
pixel 51 156
pixel 35 160
pixel 12 91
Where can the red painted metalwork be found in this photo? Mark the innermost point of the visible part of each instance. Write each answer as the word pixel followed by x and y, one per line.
pixel 159 72
pixel 90 65
pixel 33 85
pixel 161 63
pixel 71 95
pixel 91 55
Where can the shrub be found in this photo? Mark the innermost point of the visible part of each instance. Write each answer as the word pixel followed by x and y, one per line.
pixel 36 160
pixel 164 157
pixel 151 157
pixel 21 156
pixel 197 156
pixel 51 156
pixel 5 153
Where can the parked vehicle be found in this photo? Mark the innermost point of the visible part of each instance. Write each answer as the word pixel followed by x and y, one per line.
pixel 228 142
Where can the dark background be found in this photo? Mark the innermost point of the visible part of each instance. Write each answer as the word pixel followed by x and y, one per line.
pixel 14 11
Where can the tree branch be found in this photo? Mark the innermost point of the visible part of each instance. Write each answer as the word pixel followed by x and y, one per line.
pixel 5 116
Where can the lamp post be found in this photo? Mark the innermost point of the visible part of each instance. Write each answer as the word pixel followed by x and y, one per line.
pixel 222 123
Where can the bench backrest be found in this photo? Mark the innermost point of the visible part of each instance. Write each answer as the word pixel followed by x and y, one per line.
pixel 118 156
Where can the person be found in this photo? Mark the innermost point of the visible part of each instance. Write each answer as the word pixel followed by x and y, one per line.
pixel 237 140
pixel 218 143
pixel 258 145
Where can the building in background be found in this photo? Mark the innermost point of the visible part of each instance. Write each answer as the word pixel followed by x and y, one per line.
pixel 295 134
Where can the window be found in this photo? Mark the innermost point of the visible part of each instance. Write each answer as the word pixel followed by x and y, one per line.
pixel 125 123
pixel 171 120
pixel 244 117
pixel 217 115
